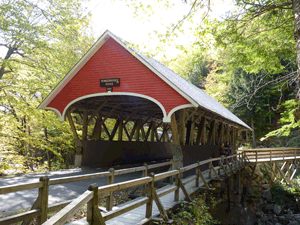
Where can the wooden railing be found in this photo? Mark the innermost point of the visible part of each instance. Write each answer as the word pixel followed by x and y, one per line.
pixel 271 154
pixel 40 208
pixel 90 197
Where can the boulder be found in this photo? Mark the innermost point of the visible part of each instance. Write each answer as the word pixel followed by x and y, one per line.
pixel 248 169
pixel 293 223
pixel 277 209
pixel 258 180
pixel 253 183
pixel 267 195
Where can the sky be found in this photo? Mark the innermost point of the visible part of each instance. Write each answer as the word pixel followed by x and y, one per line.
pixel 120 20
pixel 115 16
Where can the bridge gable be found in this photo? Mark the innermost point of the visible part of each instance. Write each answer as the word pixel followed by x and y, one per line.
pixel 114 61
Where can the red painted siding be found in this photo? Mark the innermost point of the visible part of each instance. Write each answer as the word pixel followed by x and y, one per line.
pixel 113 61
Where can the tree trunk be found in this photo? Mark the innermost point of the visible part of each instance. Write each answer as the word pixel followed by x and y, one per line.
pixel 296 13
pixel 253 132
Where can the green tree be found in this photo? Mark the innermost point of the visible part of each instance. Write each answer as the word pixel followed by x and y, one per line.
pixel 42 41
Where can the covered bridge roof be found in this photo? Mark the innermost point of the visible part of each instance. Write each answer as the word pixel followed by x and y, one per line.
pixel 110 46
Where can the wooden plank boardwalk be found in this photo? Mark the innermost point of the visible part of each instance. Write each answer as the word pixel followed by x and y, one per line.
pixel 137 216
pixel 274 159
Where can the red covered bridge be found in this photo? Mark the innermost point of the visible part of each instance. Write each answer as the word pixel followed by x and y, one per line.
pixel 132 108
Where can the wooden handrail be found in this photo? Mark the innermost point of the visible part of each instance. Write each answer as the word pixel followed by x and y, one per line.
pixel 74 205
pixel 20 187
pixel 27 186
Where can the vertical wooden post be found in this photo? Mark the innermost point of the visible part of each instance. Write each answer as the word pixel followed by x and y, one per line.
pixel 85 124
pixel 192 130
pixel 176 193
pixel 43 196
pixel 256 156
pixel 201 131
pixel 182 127
pixel 163 138
pixel 197 175
pixel 152 127
pixel 72 125
pixel 99 118
pixel 110 180
pixel 210 169
pixel 274 171
pixel 150 196
pixel 137 131
pixel 120 131
pixel 172 168
pixel 145 173
pixel 175 136
pixel 289 171
pixel 188 132
pixel 211 133
pixel 93 213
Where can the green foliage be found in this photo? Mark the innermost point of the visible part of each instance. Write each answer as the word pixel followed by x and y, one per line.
pixel 285 195
pixel 195 212
pixel 287 119
pixel 42 41
pixel 193 66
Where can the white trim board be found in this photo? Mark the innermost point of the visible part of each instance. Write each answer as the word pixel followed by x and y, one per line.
pixel 62 116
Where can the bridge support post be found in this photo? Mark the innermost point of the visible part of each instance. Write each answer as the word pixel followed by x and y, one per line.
pixel 237 187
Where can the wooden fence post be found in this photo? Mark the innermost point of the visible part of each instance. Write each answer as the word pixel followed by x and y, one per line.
pixel 93 213
pixel 256 156
pixel 40 203
pixel 197 175
pixel 172 168
pixel 43 196
pixel 145 174
pixel 110 180
pixel 176 193
pixel 210 168
pixel 150 196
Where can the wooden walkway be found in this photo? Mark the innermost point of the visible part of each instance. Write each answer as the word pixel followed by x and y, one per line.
pixel 137 216
pixel 270 159
pixel 275 159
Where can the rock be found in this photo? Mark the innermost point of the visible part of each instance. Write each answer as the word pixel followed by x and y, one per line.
pixel 248 169
pixel 277 209
pixel 259 222
pixel 265 181
pixel 293 223
pixel 297 217
pixel 257 179
pixel 259 214
pixel 264 218
pixel 282 218
pixel 267 195
pixel 289 214
pixel 277 223
pixel 253 183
